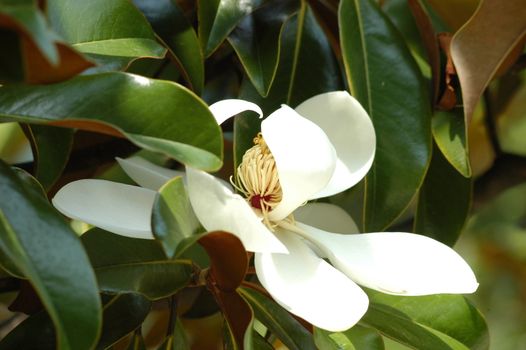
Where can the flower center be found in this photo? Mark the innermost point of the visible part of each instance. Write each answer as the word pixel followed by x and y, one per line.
pixel 257 178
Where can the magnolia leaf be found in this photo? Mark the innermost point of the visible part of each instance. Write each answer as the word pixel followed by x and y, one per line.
pixel 495 31
pixel 444 321
pixel 40 244
pixel 256 41
pixel 122 315
pixel 389 85
pixel 278 321
pixel 173 219
pixel 131 265
pixel 170 24
pixel 443 206
pixel 125 109
pixel 113 33
pixel 356 338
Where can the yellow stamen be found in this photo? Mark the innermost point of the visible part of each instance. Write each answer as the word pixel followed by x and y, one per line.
pixel 257 178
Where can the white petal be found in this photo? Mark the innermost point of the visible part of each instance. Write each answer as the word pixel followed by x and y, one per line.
pixel 326 217
pixel 351 132
pixel 147 174
pixel 309 287
pixel 304 157
pixel 115 207
pixel 218 208
pixel 225 109
pixel 397 262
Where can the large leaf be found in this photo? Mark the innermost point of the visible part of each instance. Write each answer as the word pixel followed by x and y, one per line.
pixel 158 115
pixel 307 67
pixel 170 24
pixel 51 147
pixel 41 245
pixel 443 201
pixel 112 33
pixel 356 338
pixel 278 321
pixel 122 315
pixel 257 41
pixel 173 219
pixel 129 265
pixel 428 322
pixel 217 18
pixel 384 77
pixel 480 47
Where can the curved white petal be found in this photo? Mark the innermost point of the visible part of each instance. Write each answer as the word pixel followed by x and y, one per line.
pixel 115 207
pixel 147 174
pixel 225 109
pixel 305 158
pixel 309 287
pixel 327 217
pixel 397 262
pixel 217 208
pixel 350 131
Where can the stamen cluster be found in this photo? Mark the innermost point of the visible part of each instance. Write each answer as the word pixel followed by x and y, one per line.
pixel 257 178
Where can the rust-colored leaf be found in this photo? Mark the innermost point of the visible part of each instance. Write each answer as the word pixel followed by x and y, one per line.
pixel 237 313
pixel 40 71
pixel 228 259
pixel 480 47
pixel 454 12
pixel 429 39
pixel 448 99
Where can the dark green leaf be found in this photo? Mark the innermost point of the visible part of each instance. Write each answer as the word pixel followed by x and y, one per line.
pixel 170 24
pixel 131 265
pixel 428 322
pixel 157 115
pixel 52 147
pixel 217 18
pixel 444 201
pixel 356 338
pixel 122 314
pixel 256 41
pixel 307 67
pixel 278 321
pixel 11 68
pixel 180 338
pixel 42 246
pixel 449 131
pixel 173 219
pixel 39 326
pixel 112 32
pixel 384 77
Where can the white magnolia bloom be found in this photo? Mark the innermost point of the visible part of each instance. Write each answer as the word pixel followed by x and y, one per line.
pixel 323 147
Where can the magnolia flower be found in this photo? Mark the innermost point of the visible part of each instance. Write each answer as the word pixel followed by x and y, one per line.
pixel 323 147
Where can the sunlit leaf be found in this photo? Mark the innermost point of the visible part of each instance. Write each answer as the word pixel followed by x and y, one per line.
pixel 384 77
pixel 158 115
pixel 42 246
pixel 356 338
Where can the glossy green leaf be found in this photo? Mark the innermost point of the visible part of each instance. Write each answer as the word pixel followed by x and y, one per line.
pixel 444 201
pixel 52 148
pixel 173 218
pixel 278 321
pixel 157 115
pixel 31 20
pixel 307 67
pixel 449 132
pixel 170 24
pixel 122 315
pixel 42 246
pixel 428 322
pixel 356 338
pixel 110 31
pixel 39 326
pixel 256 41
pixel 217 18
pixel 384 77
pixel 130 265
